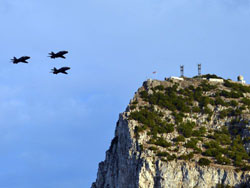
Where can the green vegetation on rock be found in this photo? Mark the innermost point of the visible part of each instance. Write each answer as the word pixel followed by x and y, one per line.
pixel 204 162
pixel 188 111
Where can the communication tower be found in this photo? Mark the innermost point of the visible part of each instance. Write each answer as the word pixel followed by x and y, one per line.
pixel 182 70
pixel 199 70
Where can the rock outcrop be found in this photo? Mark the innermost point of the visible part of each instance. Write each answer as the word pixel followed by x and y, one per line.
pixel 136 159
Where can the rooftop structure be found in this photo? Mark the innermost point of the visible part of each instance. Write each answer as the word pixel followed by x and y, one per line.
pixel 216 80
pixel 176 78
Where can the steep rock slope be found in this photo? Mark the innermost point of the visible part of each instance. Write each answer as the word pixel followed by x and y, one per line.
pixel 174 134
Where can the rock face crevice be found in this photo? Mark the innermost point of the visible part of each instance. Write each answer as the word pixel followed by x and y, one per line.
pixel 128 165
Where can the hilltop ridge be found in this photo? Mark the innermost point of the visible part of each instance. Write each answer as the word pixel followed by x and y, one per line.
pixel 188 132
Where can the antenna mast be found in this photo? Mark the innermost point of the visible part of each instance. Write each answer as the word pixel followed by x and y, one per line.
pixel 182 70
pixel 199 70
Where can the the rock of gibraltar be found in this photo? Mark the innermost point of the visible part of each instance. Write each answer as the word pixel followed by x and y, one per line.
pixel 181 133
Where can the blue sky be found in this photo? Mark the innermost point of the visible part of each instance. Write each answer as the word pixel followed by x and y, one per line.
pixel 55 129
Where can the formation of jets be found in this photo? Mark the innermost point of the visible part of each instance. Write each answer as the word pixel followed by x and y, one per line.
pixel 52 55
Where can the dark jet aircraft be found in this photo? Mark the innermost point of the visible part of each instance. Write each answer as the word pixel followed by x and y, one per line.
pixel 58 54
pixel 61 70
pixel 22 59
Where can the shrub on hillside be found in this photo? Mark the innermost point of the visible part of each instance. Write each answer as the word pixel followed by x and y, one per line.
pixel 162 142
pixel 200 132
pixel 204 162
pixel 180 138
pixel 222 160
pixel 162 154
pixel 187 157
pixel 245 101
pixel 237 87
pixel 186 129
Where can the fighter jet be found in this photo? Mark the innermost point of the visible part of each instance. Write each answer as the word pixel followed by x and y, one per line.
pixel 61 70
pixel 22 59
pixel 58 54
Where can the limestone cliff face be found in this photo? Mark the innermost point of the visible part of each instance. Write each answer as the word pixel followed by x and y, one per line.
pixel 122 164
pixel 130 163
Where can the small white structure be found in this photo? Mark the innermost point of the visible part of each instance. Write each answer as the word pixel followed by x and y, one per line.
pixel 176 78
pixel 241 79
pixel 216 80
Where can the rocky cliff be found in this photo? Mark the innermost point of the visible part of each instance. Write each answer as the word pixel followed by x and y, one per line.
pixel 181 134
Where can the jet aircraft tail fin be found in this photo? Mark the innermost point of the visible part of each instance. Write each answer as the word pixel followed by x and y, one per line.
pixel 13 60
